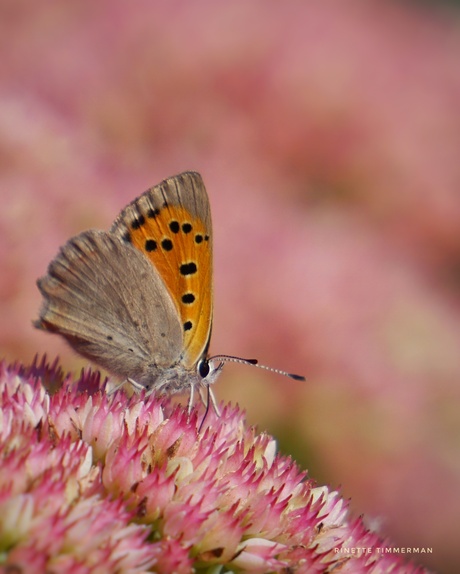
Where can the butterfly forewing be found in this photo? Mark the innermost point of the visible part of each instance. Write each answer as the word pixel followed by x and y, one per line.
pixel 171 225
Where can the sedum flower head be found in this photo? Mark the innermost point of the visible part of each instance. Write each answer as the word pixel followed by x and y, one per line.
pixel 91 483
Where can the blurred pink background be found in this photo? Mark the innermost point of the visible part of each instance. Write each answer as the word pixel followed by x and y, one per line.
pixel 328 136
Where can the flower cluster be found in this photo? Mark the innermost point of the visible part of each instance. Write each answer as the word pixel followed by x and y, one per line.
pixel 97 483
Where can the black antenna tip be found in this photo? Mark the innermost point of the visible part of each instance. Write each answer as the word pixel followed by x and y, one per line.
pixel 297 377
pixel 251 361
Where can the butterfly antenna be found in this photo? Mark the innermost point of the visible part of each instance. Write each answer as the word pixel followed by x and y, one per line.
pixel 254 363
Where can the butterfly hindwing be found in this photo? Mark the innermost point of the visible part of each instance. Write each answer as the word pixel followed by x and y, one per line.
pixel 111 305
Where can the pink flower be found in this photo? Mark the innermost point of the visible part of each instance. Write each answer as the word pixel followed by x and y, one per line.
pixel 98 483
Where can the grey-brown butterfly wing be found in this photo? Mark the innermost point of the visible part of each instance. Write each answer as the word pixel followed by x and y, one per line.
pixel 111 306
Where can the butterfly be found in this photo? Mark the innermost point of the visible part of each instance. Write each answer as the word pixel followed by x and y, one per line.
pixel 138 299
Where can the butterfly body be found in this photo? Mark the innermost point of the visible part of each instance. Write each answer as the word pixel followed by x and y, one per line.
pixel 137 300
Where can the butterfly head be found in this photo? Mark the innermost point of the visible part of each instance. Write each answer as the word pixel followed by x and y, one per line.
pixel 176 378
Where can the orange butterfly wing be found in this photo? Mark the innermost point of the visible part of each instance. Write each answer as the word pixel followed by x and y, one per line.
pixel 171 225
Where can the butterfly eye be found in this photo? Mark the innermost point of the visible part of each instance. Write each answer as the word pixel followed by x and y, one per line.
pixel 203 368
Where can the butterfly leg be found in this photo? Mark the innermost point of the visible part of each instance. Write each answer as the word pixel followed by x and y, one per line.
pixel 209 398
pixel 116 388
pixel 190 402
pixel 213 402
